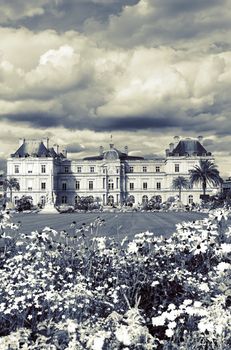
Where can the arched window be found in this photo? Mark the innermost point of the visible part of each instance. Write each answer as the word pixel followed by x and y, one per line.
pixel 16 200
pixel 110 200
pixel 42 200
pixel 77 199
pixel 131 199
pixel 145 199
pixel 190 199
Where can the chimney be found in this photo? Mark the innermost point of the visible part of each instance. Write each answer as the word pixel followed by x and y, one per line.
pixel 64 152
pixel 126 149
pixel 176 140
pixel 101 150
pixel 56 148
pixel 111 145
pixel 200 139
pixel 171 147
pixel 167 152
pixel 21 141
pixel 46 142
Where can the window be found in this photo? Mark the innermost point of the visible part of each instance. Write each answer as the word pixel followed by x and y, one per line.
pixel 117 182
pixel 92 169
pixel 77 199
pixel 145 185
pixel 79 169
pixel 131 169
pixel 64 186
pixel 43 168
pixel 190 199
pixel 43 185
pixel 145 199
pixel 177 168
pixel 131 186
pixel 157 169
pixel 104 182
pixel 66 169
pixel 29 184
pixel 16 169
pixel 158 185
pixel 30 168
pixel 64 199
pixel 144 169
pixel 110 184
pixel 77 185
pixel 90 185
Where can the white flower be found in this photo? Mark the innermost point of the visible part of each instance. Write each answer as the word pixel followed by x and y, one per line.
pixel 169 332
pixel 226 247
pixel 132 247
pixel 122 335
pixel 98 343
pixel 187 302
pixel 222 266
pixel 155 283
pixel 71 326
pixel 171 307
pixel 197 304
pixel 203 326
pixel 172 324
pixel 158 321
pixel 204 287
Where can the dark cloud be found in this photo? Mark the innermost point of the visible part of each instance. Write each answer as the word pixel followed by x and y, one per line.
pixel 60 15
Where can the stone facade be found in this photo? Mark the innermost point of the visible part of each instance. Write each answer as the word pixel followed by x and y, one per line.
pixel 113 177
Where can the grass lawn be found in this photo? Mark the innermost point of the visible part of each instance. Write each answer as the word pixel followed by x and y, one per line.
pixel 116 224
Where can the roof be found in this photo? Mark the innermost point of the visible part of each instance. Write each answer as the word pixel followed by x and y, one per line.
pixel 34 148
pixel 113 154
pixel 189 147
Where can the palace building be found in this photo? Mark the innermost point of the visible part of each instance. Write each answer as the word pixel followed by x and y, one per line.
pixel 112 177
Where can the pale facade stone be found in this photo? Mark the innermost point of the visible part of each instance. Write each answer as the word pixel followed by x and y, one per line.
pixel 112 176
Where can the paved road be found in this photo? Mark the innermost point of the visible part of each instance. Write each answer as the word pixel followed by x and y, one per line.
pixel 116 224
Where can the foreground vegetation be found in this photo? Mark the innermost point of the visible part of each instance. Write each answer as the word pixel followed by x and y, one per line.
pixel 77 290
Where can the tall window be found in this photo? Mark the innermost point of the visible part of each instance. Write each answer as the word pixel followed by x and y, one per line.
pixel 158 185
pixel 145 185
pixel 29 184
pixel 77 185
pixel 30 168
pixel 190 199
pixel 177 168
pixel 90 185
pixel 79 169
pixel 43 168
pixel 131 169
pixel 131 186
pixel 110 184
pixel 64 199
pixel 92 169
pixel 16 169
pixel 43 185
pixel 144 169
pixel 66 169
pixel 64 186
pixel 104 182
pixel 157 169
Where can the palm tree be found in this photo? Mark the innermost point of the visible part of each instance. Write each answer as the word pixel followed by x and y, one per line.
pixel 11 184
pixel 205 173
pixel 179 183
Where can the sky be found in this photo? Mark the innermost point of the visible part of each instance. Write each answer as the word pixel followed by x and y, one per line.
pixel 143 71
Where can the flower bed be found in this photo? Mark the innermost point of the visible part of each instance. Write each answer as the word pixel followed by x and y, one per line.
pixel 77 290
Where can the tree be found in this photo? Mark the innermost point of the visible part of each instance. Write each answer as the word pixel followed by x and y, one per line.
pixel 205 173
pixel 25 203
pixel 179 183
pixel 11 184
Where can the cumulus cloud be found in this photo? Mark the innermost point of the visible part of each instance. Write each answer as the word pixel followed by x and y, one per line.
pixel 131 67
